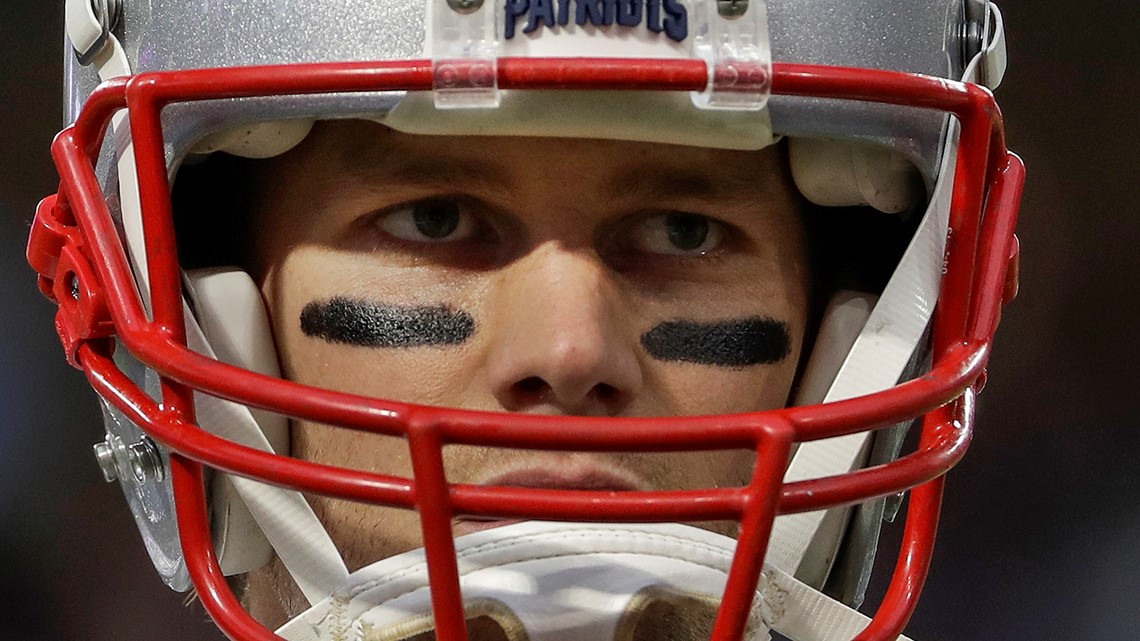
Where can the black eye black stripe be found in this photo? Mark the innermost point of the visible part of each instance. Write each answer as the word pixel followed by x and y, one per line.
pixel 736 343
pixel 364 324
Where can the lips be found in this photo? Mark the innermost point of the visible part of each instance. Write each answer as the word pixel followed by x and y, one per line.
pixel 587 477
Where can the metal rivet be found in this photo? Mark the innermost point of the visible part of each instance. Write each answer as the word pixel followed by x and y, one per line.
pixel 142 459
pixel 108 12
pixel 105 455
pixel 731 9
pixel 145 461
pixel 970 39
pixel 465 6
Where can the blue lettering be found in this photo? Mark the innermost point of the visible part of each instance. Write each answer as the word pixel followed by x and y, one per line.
pixel 653 15
pixel 629 12
pixel 668 16
pixel 513 9
pixel 610 8
pixel 596 12
pixel 676 20
pixel 540 11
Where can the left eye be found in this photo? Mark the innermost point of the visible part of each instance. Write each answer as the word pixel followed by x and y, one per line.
pixel 678 234
pixel 429 221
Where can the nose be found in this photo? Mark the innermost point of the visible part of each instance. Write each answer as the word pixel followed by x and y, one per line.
pixel 561 341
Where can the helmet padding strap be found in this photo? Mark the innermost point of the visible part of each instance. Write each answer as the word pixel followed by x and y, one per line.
pixel 875 362
pixel 288 522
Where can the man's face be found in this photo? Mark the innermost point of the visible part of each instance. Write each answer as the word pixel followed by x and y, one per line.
pixel 545 276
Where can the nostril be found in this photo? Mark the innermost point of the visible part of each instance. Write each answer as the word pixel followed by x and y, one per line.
pixel 606 393
pixel 531 386
pixel 533 391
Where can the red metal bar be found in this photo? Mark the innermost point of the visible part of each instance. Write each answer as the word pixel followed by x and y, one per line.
pixel 998 224
pixel 434 505
pixel 194 532
pixel 917 548
pixel 772 454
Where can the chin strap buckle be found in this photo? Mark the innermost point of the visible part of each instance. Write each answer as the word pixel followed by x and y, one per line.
pixel 464 51
pixel 732 38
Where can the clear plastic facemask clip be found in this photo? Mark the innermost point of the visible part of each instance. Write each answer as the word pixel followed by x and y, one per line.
pixel 465 50
pixel 731 36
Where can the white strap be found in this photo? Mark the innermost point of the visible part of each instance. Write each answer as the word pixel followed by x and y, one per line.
pixel 875 363
pixel 286 518
pixel 810 615
pixel 988 66
pixel 994 56
pixel 85 32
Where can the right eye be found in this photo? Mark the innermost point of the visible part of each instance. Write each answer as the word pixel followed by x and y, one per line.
pixel 429 221
pixel 678 234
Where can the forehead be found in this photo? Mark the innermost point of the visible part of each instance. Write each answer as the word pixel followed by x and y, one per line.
pixel 362 151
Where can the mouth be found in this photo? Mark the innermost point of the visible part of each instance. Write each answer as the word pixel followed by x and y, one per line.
pixel 580 477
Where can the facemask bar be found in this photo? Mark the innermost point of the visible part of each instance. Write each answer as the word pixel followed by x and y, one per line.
pixel 76 225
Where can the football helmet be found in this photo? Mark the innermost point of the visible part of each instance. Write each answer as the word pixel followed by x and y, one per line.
pixel 884 106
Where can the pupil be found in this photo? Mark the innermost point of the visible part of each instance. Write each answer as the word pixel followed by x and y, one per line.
pixel 687 231
pixel 436 219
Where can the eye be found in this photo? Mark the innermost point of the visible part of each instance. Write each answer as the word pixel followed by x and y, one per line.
pixel 678 234
pixel 429 221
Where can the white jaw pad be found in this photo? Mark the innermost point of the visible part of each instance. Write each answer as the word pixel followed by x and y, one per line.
pixel 247 517
pixel 835 173
pixel 569 581
pixel 555 581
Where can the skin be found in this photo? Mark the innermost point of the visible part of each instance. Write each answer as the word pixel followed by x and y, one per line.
pixel 562 257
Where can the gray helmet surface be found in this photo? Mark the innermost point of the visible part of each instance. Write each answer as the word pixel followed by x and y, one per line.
pixel 923 36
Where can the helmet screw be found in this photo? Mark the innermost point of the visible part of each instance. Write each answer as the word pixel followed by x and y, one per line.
pixel 465 6
pixel 145 461
pixel 970 39
pixel 731 9
pixel 73 281
pixel 108 12
pixel 141 458
pixel 105 455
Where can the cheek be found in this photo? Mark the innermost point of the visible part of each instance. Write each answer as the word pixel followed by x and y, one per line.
pixel 689 390
pixel 737 351
pixel 329 312
pixel 364 533
pixel 426 376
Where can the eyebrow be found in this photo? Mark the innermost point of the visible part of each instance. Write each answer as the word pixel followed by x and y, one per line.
pixel 389 164
pixel 657 180
pixel 381 171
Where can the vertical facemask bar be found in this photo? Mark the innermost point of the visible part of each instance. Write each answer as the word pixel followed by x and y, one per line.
pixel 286 518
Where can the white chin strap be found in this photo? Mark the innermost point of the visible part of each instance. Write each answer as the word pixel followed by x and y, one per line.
pixel 805 544
pixel 539 581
